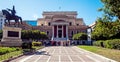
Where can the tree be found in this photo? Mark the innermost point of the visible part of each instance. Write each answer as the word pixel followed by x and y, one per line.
pixel 105 29
pixel 43 35
pixel 33 34
pixel 108 26
pixel 111 8
pixel 1 33
pixel 80 36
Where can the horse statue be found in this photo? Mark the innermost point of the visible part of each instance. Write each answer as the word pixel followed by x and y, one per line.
pixel 10 16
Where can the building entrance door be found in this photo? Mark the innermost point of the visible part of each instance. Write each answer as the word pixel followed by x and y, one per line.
pixel 60 33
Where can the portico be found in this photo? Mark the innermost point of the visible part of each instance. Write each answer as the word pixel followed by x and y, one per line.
pixel 60 32
pixel 60 26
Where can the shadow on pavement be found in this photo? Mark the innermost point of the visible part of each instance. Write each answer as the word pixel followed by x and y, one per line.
pixel 42 53
pixel 38 53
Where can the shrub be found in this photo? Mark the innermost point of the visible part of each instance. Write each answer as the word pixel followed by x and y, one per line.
pixel 4 50
pixel 80 36
pixel 112 44
pixel 36 43
pixel 27 45
pixel 99 43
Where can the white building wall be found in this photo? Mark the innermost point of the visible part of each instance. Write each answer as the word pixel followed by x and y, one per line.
pixel 2 18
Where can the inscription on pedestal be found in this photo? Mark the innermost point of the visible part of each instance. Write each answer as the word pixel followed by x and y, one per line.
pixel 11 36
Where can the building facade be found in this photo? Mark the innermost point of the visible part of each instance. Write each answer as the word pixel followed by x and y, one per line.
pixel 2 18
pixel 61 26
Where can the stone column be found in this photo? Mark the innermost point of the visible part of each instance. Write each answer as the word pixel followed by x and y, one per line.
pixel 57 31
pixel 62 30
pixel 67 32
pixel 20 34
pixel 52 32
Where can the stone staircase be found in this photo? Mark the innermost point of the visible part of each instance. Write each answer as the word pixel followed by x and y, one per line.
pixel 60 39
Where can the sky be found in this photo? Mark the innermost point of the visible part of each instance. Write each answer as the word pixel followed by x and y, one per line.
pixel 32 9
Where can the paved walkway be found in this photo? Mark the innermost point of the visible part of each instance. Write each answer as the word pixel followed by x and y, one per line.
pixel 62 54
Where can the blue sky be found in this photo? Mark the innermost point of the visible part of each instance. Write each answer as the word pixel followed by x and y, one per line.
pixel 32 9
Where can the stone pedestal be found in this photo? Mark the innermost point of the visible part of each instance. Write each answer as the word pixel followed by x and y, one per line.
pixel 11 36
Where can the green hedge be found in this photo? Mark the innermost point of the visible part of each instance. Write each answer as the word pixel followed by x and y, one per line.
pixel 4 50
pixel 36 43
pixel 10 55
pixel 27 45
pixel 112 44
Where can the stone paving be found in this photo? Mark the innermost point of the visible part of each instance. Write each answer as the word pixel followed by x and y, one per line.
pixel 61 54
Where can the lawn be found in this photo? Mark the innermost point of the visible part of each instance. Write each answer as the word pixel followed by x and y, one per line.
pixel 7 52
pixel 110 53
pixel 10 55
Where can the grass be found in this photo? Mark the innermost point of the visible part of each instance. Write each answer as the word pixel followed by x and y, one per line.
pixel 10 55
pixel 14 52
pixel 4 50
pixel 110 53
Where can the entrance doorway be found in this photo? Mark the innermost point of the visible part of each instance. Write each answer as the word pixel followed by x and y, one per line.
pixel 60 33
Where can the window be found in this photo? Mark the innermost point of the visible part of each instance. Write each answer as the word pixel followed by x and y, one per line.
pixel 72 33
pixel 47 32
pixel 77 31
pixel 41 24
pixel 49 24
pixel 70 23
pixel 77 24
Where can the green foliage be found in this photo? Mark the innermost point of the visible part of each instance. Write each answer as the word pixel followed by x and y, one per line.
pixel 1 33
pixel 111 8
pixel 98 43
pixel 33 34
pixel 112 44
pixel 36 43
pixel 9 55
pixel 105 29
pixel 43 35
pixel 27 45
pixel 89 48
pixel 108 26
pixel 80 36
pixel 4 50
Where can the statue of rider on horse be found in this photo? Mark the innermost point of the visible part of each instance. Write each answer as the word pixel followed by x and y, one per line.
pixel 13 11
pixel 11 15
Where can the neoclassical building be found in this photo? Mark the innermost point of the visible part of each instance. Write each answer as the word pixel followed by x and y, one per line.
pixel 60 26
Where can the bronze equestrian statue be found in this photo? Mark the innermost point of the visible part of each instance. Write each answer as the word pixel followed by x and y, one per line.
pixel 10 15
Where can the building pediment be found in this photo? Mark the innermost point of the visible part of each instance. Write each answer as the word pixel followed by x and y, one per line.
pixel 60 22
pixel 60 16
